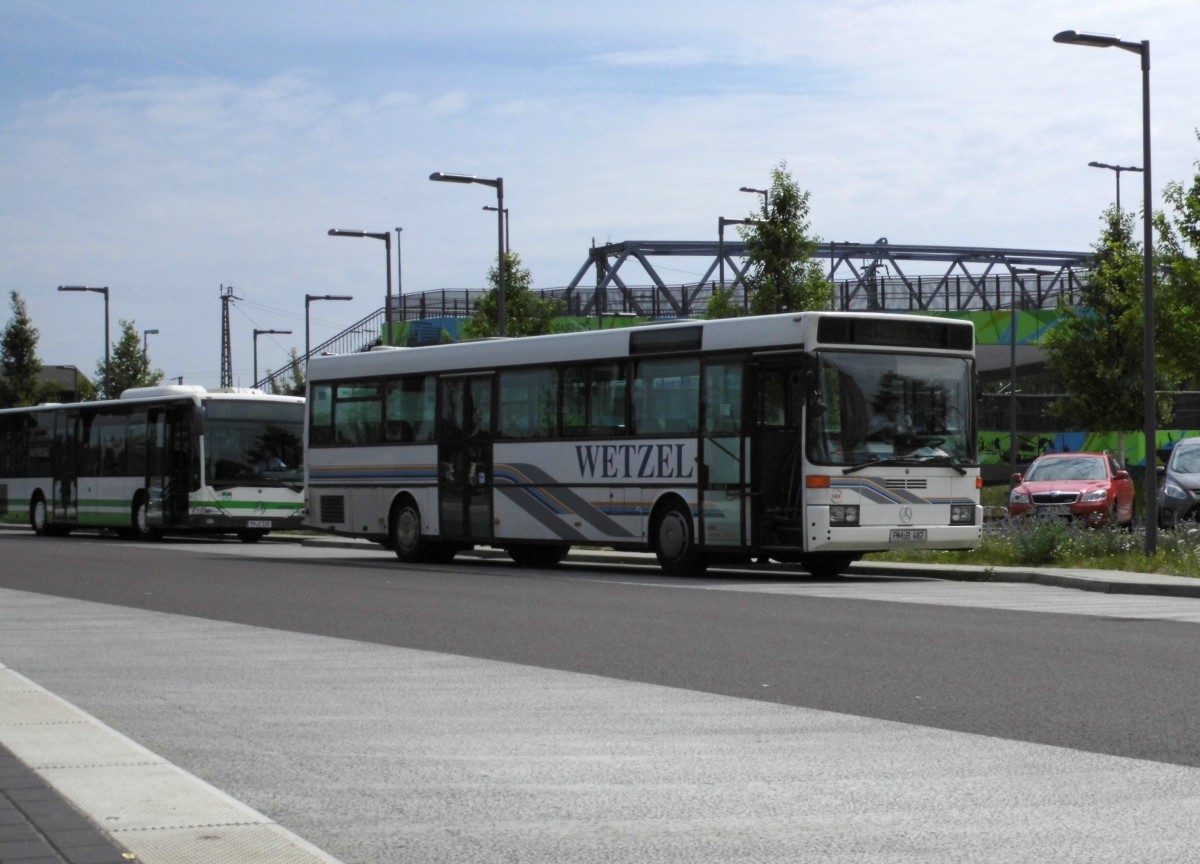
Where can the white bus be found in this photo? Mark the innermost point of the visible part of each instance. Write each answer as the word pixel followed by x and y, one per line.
pixel 764 437
pixel 158 460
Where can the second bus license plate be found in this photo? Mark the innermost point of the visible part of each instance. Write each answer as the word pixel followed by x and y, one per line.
pixel 909 535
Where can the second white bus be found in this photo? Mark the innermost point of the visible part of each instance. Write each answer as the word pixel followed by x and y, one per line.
pixel 809 438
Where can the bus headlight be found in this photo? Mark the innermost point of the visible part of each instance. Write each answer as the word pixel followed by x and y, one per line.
pixel 962 514
pixel 843 514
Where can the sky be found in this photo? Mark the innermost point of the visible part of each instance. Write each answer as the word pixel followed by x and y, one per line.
pixel 165 150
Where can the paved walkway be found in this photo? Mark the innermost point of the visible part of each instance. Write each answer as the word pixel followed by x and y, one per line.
pixel 38 823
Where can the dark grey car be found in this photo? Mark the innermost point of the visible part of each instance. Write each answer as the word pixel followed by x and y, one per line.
pixel 1179 497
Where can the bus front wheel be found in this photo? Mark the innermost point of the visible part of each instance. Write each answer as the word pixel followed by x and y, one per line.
pixel 675 541
pixel 141 528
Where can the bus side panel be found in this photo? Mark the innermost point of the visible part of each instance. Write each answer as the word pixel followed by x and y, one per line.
pixel 589 490
pixel 107 502
pixel 351 489
pixel 16 497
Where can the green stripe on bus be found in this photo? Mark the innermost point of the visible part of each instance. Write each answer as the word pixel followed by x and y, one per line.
pixel 118 520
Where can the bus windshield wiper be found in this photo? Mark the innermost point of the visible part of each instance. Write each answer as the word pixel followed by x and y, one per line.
pixel 908 460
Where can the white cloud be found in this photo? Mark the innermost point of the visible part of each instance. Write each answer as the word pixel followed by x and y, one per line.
pixel 929 122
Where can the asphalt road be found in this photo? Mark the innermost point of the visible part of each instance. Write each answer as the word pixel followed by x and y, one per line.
pixel 1104 684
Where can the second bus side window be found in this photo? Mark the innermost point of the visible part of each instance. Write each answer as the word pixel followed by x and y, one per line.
pixel 358 413
pixel 410 409
pixel 528 400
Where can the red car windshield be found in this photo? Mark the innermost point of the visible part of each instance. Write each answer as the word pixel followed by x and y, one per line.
pixel 1082 468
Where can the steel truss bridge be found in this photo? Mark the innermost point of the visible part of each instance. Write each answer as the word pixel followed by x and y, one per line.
pixel 622 279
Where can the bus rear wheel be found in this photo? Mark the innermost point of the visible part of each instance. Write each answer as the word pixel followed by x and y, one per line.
pixel 410 545
pixel 674 540
pixel 39 517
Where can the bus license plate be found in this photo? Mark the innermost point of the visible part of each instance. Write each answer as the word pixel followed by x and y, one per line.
pixel 908 535
pixel 258 523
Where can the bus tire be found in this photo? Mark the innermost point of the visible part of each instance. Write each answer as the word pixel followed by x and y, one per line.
pixel 407 541
pixel 538 554
pixel 826 565
pixel 39 516
pixel 674 537
pixel 140 529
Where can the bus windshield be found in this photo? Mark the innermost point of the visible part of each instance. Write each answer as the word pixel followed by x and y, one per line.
pixel 247 443
pixel 874 407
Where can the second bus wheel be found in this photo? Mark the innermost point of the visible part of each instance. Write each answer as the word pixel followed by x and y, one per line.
pixel 141 528
pixel 39 517
pixel 674 537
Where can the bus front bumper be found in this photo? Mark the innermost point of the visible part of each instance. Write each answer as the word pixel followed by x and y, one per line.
pixel 922 532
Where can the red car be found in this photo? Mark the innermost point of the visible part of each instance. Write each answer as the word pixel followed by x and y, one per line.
pixel 1087 486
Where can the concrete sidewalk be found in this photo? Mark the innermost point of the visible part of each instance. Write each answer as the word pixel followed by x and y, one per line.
pixel 39 826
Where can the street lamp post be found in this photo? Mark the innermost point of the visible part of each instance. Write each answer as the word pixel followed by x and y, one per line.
pixel 766 193
pixel 399 279
pixel 496 183
pixel 308 301
pixel 507 239
pixel 258 333
pixel 1118 169
pixel 146 334
pixel 386 237
pixel 107 341
pixel 1149 481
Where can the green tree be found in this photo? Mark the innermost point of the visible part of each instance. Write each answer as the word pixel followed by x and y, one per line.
pixel 724 304
pixel 296 386
pixel 1177 315
pixel 20 367
pixel 782 274
pixel 1096 347
pixel 130 365
pixel 525 313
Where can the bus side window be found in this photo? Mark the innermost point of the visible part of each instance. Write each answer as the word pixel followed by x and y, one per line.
pixel 574 401
pixel 527 403
pixel 320 428
pixel 667 396
pixel 409 409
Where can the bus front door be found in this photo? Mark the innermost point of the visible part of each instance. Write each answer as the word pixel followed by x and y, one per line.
pixel 778 457
pixel 723 458
pixel 465 458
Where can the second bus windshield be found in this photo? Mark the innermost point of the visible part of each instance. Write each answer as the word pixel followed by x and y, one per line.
pixel 882 406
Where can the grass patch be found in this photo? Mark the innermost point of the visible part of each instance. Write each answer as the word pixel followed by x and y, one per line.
pixel 1058 543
